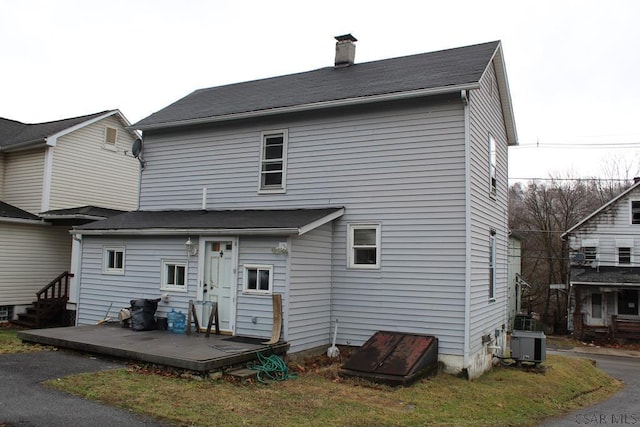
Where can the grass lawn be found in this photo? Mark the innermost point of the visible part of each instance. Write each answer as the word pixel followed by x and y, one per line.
pixel 320 397
pixel 9 343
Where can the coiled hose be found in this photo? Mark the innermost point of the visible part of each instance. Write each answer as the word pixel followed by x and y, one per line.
pixel 271 368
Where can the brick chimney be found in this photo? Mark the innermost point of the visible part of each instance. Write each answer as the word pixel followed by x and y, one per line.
pixel 345 50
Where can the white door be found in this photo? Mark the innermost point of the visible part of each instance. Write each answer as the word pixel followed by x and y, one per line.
pixel 217 285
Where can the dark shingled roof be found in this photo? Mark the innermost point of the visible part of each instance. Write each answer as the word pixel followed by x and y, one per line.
pixel 446 68
pixel 14 133
pixel 89 211
pixel 10 211
pixel 606 275
pixel 211 219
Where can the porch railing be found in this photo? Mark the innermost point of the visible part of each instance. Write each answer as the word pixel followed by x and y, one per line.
pixel 52 298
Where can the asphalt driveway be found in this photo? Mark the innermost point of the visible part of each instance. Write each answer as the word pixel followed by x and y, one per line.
pixel 621 409
pixel 26 402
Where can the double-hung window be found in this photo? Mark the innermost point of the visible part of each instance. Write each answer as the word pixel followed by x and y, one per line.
pixel 624 256
pixel 635 212
pixel 364 245
pixel 113 260
pixel 174 275
pixel 258 279
pixel 273 162
pixel 110 138
pixel 493 167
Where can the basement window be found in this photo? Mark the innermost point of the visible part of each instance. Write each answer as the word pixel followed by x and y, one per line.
pixel 113 260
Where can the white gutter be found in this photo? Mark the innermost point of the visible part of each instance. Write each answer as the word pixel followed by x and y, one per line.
pixel 467 225
pixel 188 231
pixel 24 221
pixel 314 106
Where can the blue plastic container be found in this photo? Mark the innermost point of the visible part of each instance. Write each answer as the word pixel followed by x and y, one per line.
pixel 171 319
pixel 180 323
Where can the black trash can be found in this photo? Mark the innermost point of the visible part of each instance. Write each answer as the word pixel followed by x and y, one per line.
pixel 143 314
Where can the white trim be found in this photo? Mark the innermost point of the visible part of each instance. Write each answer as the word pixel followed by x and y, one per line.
pixel 107 145
pixel 351 227
pixel 493 166
pixel 466 350
pixel 164 263
pixel 319 222
pixel 631 257
pixel 257 267
pixel 285 144
pixel 46 179
pixel 362 100
pixel 23 221
pixel 115 249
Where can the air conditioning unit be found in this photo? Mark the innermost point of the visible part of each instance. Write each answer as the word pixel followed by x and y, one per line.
pixel 528 346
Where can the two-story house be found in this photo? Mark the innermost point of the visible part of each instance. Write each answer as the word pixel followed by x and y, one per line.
pixel 370 193
pixel 54 175
pixel 604 282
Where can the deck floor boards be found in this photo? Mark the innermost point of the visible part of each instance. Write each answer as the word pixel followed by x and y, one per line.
pixel 194 352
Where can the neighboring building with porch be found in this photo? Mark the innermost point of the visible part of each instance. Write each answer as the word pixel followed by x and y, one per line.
pixel 604 284
pixel 55 175
pixel 374 194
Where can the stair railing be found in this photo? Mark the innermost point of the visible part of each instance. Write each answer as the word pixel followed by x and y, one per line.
pixel 55 291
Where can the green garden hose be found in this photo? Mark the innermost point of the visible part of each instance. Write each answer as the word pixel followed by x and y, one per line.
pixel 271 368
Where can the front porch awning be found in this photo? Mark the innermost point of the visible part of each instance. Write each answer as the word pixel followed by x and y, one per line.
pixel 213 222
pixel 606 276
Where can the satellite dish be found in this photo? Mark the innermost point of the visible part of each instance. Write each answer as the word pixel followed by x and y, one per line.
pixel 136 148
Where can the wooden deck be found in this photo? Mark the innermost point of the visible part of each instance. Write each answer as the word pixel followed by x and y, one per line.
pixel 194 352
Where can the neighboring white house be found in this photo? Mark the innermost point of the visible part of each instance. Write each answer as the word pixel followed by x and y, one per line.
pixel 372 193
pixel 54 175
pixel 604 249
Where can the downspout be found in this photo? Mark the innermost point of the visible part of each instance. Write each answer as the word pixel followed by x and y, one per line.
pixel 46 176
pixel 467 279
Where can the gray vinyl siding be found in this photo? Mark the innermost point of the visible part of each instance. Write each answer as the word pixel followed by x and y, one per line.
pixel 403 167
pixel 613 223
pixel 487 212
pixel 30 257
pixel 2 161
pixel 84 172
pixel 23 176
pixel 257 250
pixel 310 289
pixel 142 278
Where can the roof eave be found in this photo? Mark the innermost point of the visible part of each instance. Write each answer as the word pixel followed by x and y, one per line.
pixel 187 231
pixel 23 221
pixel 505 95
pixel 312 106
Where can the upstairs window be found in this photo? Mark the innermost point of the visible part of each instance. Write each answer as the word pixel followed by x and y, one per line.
pixel 624 255
pixel 493 167
pixel 635 212
pixel 590 253
pixel 113 260
pixel 110 138
pixel 273 162
pixel 364 245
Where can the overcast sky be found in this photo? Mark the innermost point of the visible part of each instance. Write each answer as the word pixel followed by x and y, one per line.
pixel 572 66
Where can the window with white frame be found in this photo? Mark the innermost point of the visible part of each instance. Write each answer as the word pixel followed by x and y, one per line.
pixel 624 255
pixel 273 161
pixel 258 279
pixel 635 212
pixel 493 167
pixel 492 265
pixel 113 260
pixel 110 137
pixel 174 275
pixel 590 253
pixel 364 245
